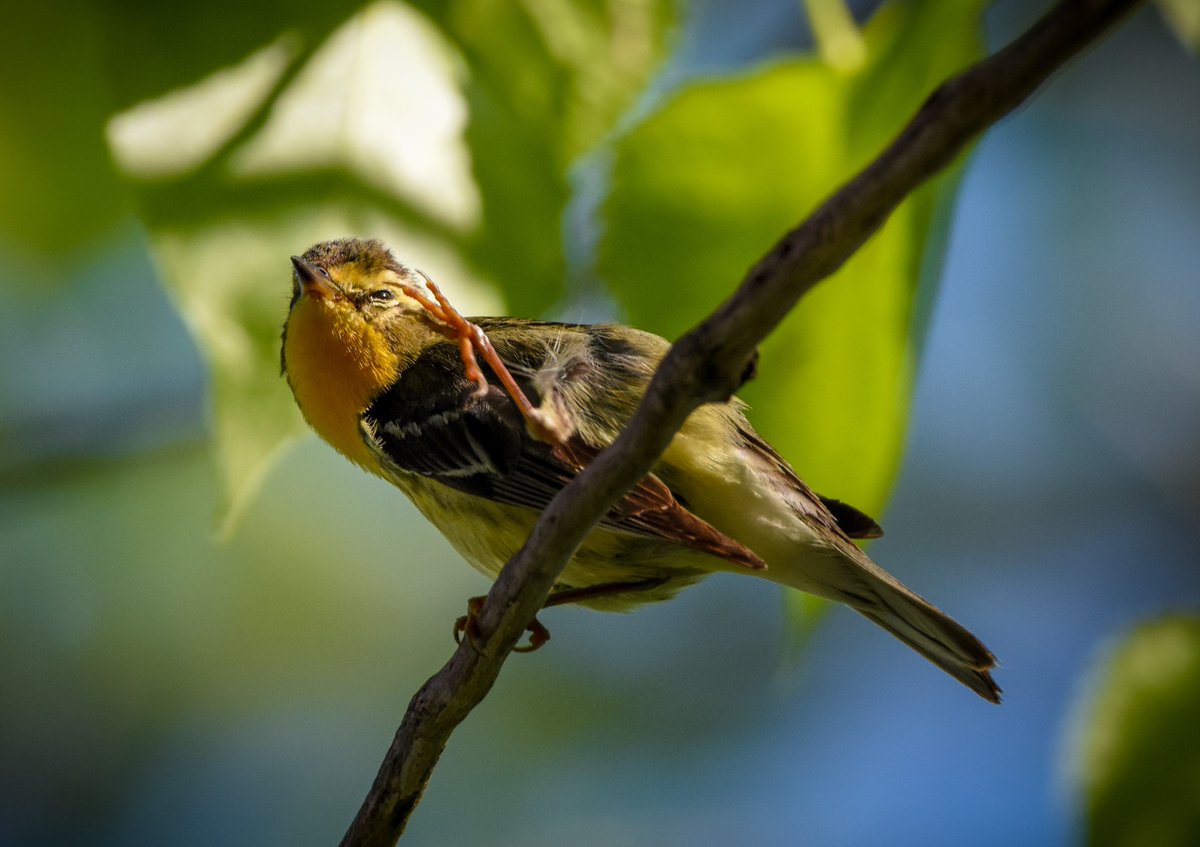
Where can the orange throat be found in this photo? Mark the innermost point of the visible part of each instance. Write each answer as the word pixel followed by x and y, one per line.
pixel 336 365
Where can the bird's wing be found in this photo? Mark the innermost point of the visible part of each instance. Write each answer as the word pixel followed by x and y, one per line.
pixel 434 423
pixel 822 510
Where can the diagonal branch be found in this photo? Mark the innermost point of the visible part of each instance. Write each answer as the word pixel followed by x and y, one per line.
pixel 708 364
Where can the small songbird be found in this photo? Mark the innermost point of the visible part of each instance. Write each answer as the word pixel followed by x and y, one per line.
pixel 382 372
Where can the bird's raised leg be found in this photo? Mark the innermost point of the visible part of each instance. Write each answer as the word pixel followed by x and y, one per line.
pixel 543 424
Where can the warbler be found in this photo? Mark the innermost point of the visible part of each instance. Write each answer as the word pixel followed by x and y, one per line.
pixel 379 372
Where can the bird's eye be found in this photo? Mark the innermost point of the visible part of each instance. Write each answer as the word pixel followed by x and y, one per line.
pixel 381 295
pixel 324 272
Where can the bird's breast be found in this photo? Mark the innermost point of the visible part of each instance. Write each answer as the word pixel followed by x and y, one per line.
pixel 335 370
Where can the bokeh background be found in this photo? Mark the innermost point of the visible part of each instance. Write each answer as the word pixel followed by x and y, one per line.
pixel 185 665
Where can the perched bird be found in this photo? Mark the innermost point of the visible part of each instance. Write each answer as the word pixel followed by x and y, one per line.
pixel 377 370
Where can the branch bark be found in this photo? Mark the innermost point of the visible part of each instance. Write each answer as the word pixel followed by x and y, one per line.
pixel 708 364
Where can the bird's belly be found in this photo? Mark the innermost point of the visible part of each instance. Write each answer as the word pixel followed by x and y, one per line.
pixel 487 534
pixel 484 533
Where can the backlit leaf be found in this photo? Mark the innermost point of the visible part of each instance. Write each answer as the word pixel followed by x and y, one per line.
pixel 1138 755
pixel 702 187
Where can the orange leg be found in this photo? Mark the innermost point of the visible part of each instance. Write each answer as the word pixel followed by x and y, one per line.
pixel 471 340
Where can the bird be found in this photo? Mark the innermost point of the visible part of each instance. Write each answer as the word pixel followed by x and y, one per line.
pixel 382 371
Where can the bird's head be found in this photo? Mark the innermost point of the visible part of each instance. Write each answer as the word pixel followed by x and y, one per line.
pixel 350 331
pixel 351 292
pixel 357 281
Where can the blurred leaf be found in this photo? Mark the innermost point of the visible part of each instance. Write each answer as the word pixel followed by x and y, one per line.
pixel 1183 16
pixel 58 188
pixel 544 80
pixel 448 125
pixel 237 324
pixel 154 46
pixel 702 187
pixel 79 61
pixel 838 39
pixel 547 80
pixel 1139 756
pixel 805 612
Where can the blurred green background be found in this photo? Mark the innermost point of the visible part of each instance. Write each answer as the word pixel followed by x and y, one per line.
pixel 210 624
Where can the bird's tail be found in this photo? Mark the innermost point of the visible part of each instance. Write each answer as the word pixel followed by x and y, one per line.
pixel 937 637
pixel 852 578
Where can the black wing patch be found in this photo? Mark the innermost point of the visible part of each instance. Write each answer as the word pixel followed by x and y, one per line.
pixel 435 423
pixel 853 522
pixel 458 438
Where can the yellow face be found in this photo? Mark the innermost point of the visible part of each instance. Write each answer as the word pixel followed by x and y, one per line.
pixel 367 295
pixel 345 342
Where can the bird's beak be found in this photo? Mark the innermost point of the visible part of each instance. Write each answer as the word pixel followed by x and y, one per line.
pixel 311 281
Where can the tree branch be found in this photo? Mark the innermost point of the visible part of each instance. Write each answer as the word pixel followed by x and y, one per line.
pixel 708 364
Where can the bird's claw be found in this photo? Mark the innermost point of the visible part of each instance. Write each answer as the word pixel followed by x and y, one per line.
pixel 538 636
pixel 467 628
pixel 471 339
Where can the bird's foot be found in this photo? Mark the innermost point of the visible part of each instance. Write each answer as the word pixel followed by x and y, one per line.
pixel 538 636
pixel 467 628
pixel 542 424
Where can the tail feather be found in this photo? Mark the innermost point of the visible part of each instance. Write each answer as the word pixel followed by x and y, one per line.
pixel 849 576
pixel 819 557
pixel 949 646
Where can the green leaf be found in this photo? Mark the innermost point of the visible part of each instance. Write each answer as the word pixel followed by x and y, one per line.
pixel 1138 742
pixel 216 281
pixel 838 39
pixel 547 80
pixel 701 189
pixel 261 159
pixel 446 128
pixel 58 189
pixel 1183 16
pixel 158 46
